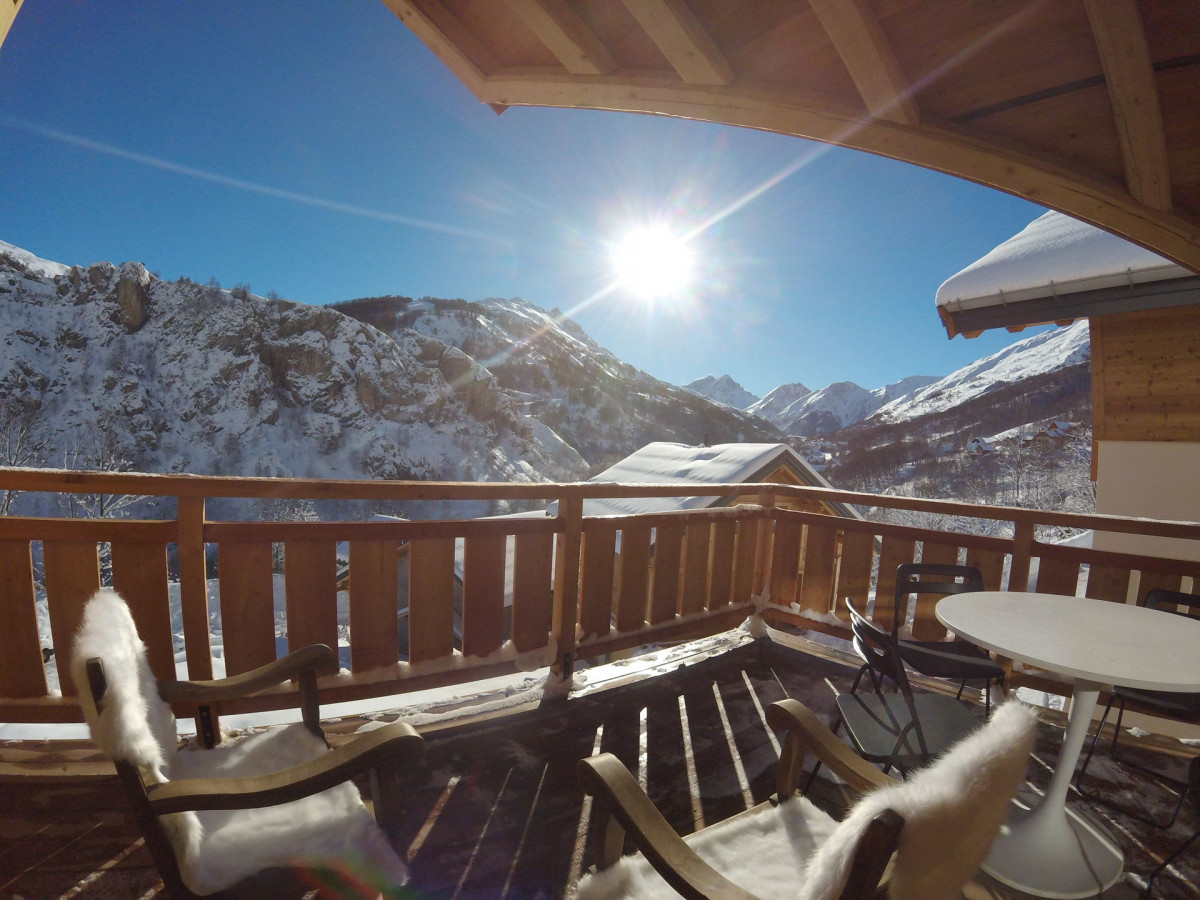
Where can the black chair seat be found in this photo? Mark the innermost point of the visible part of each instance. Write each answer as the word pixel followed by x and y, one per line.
pixel 1185 707
pixel 875 723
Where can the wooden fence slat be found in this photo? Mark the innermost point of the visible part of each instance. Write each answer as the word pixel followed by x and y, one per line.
pixel 483 594
pixel 668 554
pixel 72 576
pixel 744 555
pixel 854 575
pixel 598 581
pixel 720 584
pixel 374 604
pixel 894 552
pixel 139 575
pixel 310 581
pixel 632 595
pixel 247 605
pixel 1107 583
pixel 193 587
pixel 785 561
pixel 926 626
pixel 431 599
pixel 820 561
pixel 695 568
pixel 1057 576
pixel 22 674
pixel 533 591
pixel 990 564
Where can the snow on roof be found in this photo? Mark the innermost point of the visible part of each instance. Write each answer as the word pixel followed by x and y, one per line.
pixel 1053 255
pixel 667 463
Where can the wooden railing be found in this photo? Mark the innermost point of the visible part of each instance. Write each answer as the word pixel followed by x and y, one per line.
pixel 580 587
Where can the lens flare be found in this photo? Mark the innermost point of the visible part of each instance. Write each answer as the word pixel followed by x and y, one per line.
pixel 652 262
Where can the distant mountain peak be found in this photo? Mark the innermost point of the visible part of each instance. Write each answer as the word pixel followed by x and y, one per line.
pixel 723 390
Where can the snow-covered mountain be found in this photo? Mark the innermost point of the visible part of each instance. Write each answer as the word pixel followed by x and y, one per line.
pixel 552 370
pixel 121 369
pixel 774 406
pixel 723 390
pixel 1023 360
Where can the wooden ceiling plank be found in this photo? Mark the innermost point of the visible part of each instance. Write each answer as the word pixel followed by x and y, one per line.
pixel 8 13
pixel 683 40
pixel 449 39
pixel 566 35
pixel 1129 72
pixel 863 47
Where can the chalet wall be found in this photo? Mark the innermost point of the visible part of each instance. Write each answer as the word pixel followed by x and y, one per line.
pixel 1150 480
pixel 1146 376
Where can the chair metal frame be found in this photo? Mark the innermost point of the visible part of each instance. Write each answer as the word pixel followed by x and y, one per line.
pixel 1166 703
pixel 958 660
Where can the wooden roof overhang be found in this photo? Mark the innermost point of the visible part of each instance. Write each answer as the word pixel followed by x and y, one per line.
pixel 1084 106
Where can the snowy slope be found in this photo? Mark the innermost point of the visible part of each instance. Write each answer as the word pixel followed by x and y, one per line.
pixel 552 370
pixel 180 377
pixel 774 406
pixel 723 390
pixel 1033 356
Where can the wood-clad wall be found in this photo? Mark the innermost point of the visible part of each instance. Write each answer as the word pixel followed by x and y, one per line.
pixel 1146 375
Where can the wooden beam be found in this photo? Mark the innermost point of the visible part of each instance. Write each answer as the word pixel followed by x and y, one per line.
pixel 683 40
pixel 566 35
pixel 1129 73
pixel 958 150
pixel 865 51
pixel 8 12
pixel 448 38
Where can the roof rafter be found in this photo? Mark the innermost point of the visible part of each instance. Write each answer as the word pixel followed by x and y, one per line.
pixel 566 35
pixel 864 49
pixel 683 40
pixel 1129 71
pixel 454 45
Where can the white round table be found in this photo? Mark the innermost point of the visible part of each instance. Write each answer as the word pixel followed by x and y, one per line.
pixel 1048 850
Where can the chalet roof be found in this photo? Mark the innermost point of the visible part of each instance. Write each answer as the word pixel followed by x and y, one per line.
pixel 662 462
pixel 1088 108
pixel 1058 269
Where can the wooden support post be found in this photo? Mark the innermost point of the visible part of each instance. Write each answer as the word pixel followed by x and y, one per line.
pixel 1018 574
pixel 193 596
pixel 566 583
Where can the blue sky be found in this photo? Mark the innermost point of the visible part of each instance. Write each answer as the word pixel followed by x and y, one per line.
pixel 320 150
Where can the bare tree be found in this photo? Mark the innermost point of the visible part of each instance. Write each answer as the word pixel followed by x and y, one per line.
pixel 23 440
pixel 97 449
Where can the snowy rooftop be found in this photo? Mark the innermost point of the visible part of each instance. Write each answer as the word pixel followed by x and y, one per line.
pixel 1053 255
pixel 667 463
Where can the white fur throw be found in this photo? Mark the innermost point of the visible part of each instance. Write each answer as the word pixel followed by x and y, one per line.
pixel 952 810
pixel 216 849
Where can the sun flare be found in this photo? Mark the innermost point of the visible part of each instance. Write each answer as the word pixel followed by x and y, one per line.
pixel 652 262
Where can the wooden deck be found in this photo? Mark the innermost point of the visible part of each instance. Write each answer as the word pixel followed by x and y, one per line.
pixel 494 811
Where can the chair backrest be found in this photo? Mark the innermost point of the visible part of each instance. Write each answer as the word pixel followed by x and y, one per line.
pixel 931 578
pixel 129 721
pixel 952 811
pixel 882 661
pixel 1173 602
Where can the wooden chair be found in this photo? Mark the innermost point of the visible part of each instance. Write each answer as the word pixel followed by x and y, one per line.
pixel 272 814
pixel 920 839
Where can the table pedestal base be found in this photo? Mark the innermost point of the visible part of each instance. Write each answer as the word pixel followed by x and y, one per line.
pixel 1054 852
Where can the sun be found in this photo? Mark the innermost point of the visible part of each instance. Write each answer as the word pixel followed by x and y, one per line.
pixel 652 262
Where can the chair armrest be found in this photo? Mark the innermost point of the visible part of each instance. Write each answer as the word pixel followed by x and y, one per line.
pixel 392 745
pixel 806 732
pixel 620 796
pixel 316 658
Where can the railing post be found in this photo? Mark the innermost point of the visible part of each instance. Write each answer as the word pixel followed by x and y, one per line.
pixel 566 582
pixel 1018 574
pixel 193 588
pixel 762 552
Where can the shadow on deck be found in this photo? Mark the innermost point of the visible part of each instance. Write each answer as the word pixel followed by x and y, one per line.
pixel 494 811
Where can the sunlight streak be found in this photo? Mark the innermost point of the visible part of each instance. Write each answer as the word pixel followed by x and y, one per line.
pixel 243 185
